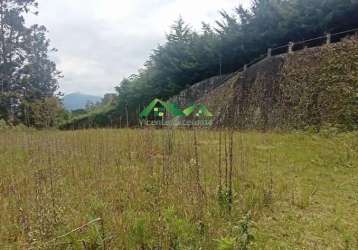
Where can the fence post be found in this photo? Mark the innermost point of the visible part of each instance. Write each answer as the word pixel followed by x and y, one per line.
pixel 269 52
pixel 290 47
pixel 245 67
pixel 328 38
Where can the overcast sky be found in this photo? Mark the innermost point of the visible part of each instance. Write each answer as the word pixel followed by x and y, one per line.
pixel 100 42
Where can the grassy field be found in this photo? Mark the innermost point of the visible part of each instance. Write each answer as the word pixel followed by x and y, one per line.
pixel 176 189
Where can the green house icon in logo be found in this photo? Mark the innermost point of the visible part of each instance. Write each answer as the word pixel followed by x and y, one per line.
pixel 158 110
pixel 197 110
pixel 160 113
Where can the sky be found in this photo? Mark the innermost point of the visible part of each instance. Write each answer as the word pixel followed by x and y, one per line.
pixel 100 42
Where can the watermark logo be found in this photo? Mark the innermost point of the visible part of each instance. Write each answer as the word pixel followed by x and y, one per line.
pixel 160 113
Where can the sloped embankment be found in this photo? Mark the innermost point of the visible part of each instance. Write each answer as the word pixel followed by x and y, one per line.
pixel 313 87
pixel 191 95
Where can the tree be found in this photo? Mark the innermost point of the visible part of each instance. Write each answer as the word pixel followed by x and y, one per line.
pixel 26 73
pixel 237 39
pixel 46 112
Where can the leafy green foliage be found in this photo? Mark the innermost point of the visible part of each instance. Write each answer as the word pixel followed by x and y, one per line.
pixel 225 199
pixel 27 75
pixel 226 244
pixel 242 236
pixel 3 124
pixel 182 234
pixel 141 232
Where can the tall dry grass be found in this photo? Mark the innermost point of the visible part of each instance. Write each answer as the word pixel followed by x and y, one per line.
pixel 177 189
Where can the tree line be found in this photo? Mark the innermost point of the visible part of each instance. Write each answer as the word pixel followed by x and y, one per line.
pixel 28 77
pixel 237 38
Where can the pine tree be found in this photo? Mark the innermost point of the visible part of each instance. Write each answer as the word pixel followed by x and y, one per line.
pixel 237 39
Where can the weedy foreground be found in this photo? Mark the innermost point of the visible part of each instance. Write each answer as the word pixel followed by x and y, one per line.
pixel 178 189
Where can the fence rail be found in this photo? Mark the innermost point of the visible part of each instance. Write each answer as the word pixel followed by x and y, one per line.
pixel 291 47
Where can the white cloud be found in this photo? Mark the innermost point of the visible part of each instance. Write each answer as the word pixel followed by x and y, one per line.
pixel 102 41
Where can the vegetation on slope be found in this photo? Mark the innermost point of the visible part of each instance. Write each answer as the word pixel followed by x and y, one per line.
pixel 97 117
pixel 315 88
pixel 188 57
pixel 308 89
pixel 102 114
pixel 159 189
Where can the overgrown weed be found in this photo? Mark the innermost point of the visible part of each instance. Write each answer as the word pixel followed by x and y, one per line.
pixel 177 189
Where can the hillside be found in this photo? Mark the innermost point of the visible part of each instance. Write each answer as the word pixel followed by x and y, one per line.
pixel 79 101
pixel 308 88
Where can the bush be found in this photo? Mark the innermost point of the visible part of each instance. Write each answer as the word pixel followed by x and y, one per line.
pixel 3 125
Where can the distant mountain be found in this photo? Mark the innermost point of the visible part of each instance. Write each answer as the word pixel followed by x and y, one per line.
pixel 78 100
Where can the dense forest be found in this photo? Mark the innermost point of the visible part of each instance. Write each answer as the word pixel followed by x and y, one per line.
pixel 28 78
pixel 237 38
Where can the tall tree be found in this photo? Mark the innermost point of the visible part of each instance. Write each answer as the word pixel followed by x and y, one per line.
pixel 26 73
pixel 237 39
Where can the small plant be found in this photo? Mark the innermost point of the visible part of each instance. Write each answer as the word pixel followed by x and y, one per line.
pixel 245 237
pixel 181 233
pixel 225 199
pixel 225 193
pixel 226 243
pixel 140 235
pixel 94 239
pixel 242 236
